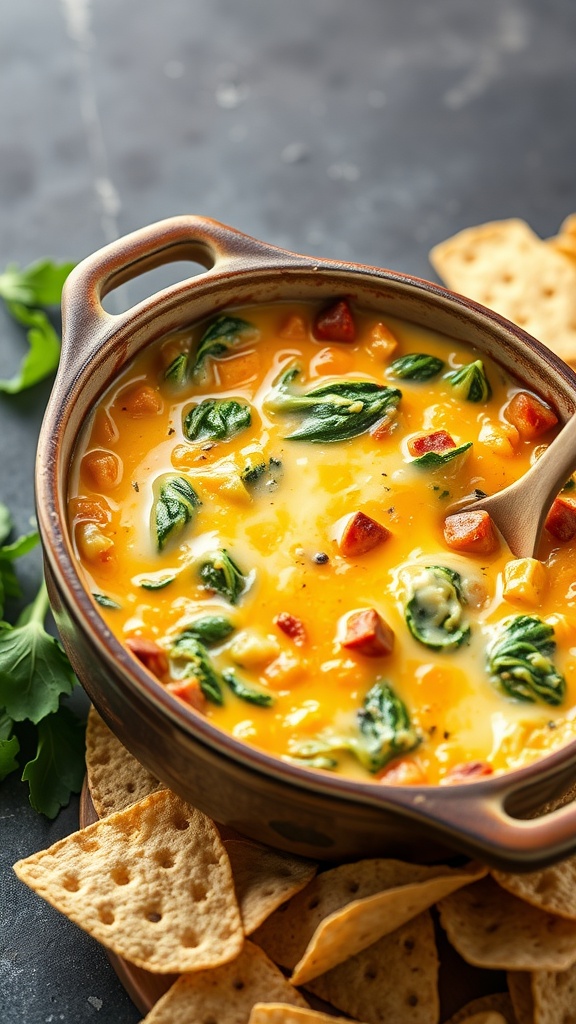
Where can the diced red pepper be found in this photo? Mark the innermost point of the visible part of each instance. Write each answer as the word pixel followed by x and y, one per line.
pixel 335 323
pixel 292 627
pixel 150 654
pixel 189 691
pixel 471 531
pixel 439 441
pixel 469 771
pixel 361 533
pixel 368 634
pixel 529 415
pixel 402 773
pixel 561 519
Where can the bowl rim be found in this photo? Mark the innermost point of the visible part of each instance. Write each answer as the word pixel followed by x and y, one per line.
pixel 233 257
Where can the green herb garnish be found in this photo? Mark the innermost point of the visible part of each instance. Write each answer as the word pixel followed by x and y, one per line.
pixel 434 460
pixel 434 612
pixel 416 366
pixel 209 629
pixel 222 335
pixel 23 291
pixel 106 602
pixel 157 583
pixel 519 661
pixel 246 692
pixel 262 473
pixel 470 382
pixel 177 372
pixel 216 419
pixel 332 412
pixel 174 506
pixel 220 573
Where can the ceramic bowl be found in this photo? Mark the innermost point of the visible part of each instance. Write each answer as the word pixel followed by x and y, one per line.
pixel 311 813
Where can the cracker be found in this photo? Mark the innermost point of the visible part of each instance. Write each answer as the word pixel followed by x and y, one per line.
pixel 520 988
pixel 491 928
pixel 226 994
pixel 282 1013
pixel 115 778
pixel 395 981
pixel 553 889
pixel 554 996
pixel 152 883
pixel 498 1003
pixel 507 267
pixel 565 240
pixel 348 908
pixel 264 879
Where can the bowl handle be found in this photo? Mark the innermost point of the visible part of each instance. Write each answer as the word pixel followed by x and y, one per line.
pixel 475 817
pixel 218 248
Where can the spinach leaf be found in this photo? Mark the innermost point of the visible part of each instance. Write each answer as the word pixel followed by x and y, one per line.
pixel 39 284
pixel 470 382
pixel 246 692
pixel 434 612
pixel 44 352
pixel 216 419
pixel 434 460
pixel 106 602
pixel 384 732
pixel 220 573
pixel 416 366
pixel 59 766
pixel 5 523
pixel 332 412
pixel 9 746
pixel 209 629
pixel 222 335
pixel 177 372
pixel 174 506
pixel 156 583
pixel 34 671
pixel 196 662
pixel 385 728
pixel 520 661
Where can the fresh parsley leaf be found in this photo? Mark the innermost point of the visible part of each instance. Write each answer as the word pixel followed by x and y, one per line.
pixel 9 747
pixel 34 671
pixel 40 284
pixel 58 768
pixel 44 352
pixel 332 412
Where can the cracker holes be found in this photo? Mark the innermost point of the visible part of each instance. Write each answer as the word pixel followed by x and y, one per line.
pixel 86 844
pixel 507 277
pixel 313 903
pixel 105 915
pixel 284 872
pixel 165 859
pixel 370 974
pixel 153 916
pixel 209 1020
pixel 409 945
pixel 198 892
pixel 548 292
pixel 546 884
pixel 130 787
pixel 180 823
pixel 71 883
pixel 238 984
pixel 353 887
pixel 189 939
pixel 469 257
pixel 412 999
pixel 120 875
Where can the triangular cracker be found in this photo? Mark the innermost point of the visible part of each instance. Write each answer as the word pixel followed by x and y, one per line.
pixel 115 778
pixel 264 879
pixel 552 889
pixel 152 883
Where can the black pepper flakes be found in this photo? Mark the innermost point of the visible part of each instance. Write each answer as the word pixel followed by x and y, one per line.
pixel 320 558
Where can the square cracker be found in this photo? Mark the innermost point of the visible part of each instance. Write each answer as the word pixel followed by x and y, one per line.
pixel 508 268
pixel 226 994
pixel 395 981
pixel 152 883
pixel 115 778
pixel 491 928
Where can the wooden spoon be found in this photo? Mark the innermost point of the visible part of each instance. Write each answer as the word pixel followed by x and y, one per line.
pixel 520 509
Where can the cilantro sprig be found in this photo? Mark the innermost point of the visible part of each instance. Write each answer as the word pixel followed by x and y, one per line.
pixel 27 293
pixel 35 679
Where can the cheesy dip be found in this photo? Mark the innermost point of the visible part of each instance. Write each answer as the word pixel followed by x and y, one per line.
pixel 261 509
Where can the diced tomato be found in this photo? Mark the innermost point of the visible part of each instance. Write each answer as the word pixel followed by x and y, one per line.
pixel 189 691
pixel 292 627
pixel 150 654
pixel 368 634
pixel 469 771
pixel 471 531
pixel 360 534
pixel 439 441
pixel 529 415
pixel 561 519
pixel 402 773
pixel 335 323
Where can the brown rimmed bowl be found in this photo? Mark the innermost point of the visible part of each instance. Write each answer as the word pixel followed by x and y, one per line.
pixel 309 812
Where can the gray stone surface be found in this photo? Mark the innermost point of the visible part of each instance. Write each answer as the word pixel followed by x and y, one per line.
pixel 366 131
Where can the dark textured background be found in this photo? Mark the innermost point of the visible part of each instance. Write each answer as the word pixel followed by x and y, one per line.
pixel 364 130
